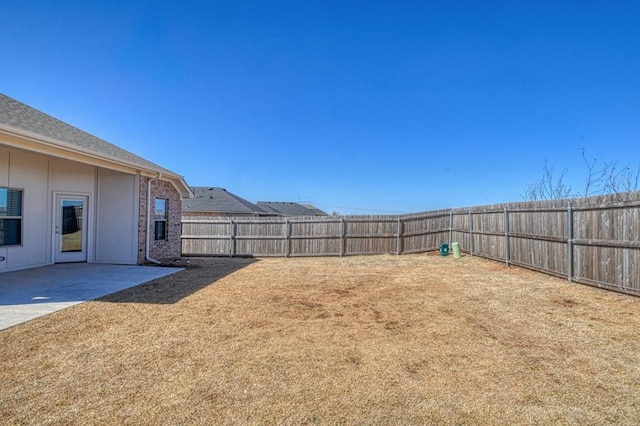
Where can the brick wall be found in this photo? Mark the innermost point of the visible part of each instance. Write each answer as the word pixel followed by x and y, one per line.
pixel 172 246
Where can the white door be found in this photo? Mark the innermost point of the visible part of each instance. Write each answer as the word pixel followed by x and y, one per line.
pixel 70 231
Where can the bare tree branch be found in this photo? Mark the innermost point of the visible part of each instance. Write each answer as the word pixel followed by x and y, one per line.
pixel 608 179
pixel 549 187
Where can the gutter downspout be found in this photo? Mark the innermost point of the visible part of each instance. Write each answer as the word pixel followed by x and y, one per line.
pixel 147 256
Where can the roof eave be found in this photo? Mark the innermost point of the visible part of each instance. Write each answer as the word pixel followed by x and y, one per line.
pixel 180 185
pixel 34 142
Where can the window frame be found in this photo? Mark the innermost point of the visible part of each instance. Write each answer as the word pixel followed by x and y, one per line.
pixel 160 220
pixel 19 218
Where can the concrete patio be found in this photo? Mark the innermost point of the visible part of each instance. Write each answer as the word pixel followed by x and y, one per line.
pixel 31 293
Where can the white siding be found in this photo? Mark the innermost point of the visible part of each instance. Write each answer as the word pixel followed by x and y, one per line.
pixel 4 181
pixel 4 167
pixel 117 218
pixel 71 177
pixel 112 212
pixel 29 173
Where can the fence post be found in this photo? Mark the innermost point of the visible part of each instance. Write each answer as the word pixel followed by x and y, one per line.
pixel 399 238
pixel 471 232
pixel 450 227
pixel 569 243
pixel 342 237
pixel 287 239
pixel 233 238
pixel 506 236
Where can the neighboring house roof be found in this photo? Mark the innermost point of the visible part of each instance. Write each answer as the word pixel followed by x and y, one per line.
pixel 39 132
pixel 290 208
pixel 315 210
pixel 219 200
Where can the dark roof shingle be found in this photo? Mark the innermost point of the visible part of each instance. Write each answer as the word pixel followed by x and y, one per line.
pixel 23 117
pixel 290 208
pixel 219 200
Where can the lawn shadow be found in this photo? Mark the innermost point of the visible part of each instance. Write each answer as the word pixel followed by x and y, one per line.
pixel 198 274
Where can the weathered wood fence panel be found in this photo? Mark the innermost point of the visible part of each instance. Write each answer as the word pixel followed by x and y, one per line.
pixel 424 233
pixel 260 237
pixel 461 230
pixel 315 238
pixel 537 239
pixel 606 244
pixel 593 241
pixel 207 237
pixel 480 232
pixel 369 235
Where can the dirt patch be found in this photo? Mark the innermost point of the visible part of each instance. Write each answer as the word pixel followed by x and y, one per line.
pixel 414 339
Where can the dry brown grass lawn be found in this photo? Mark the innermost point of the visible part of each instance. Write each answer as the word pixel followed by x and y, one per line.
pixel 417 339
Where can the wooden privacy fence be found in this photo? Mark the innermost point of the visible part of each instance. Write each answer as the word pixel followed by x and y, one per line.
pixel 314 236
pixel 594 241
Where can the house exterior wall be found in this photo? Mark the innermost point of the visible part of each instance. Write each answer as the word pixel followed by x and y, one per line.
pixel 72 177
pixel 28 172
pixel 117 217
pixel 172 246
pixel 4 181
pixel 112 213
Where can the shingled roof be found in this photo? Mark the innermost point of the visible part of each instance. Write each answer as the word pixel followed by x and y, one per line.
pixel 219 200
pixel 55 136
pixel 290 208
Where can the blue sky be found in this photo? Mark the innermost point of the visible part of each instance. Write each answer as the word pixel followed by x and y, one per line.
pixel 357 106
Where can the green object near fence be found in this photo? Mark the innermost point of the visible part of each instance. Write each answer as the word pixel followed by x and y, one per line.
pixel 455 248
pixel 444 249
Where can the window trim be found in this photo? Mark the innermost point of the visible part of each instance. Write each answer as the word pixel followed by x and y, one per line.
pixel 19 218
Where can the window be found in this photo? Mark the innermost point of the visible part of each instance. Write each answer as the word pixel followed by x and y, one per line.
pixel 10 216
pixel 160 220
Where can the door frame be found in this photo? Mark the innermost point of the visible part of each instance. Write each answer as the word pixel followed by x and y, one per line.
pixel 57 256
